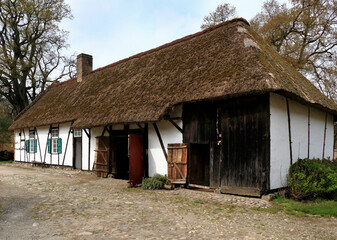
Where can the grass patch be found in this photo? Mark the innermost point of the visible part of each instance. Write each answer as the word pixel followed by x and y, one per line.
pixel 200 202
pixel 3 162
pixel 319 207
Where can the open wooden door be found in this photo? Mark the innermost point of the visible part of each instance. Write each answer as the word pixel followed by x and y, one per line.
pixel 136 160
pixel 177 163
pixel 101 164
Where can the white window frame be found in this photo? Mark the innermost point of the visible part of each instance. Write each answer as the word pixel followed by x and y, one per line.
pixel 54 132
pixel 77 132
pixel 54 137
pixel 31 145
pixel 54 145
pixel 31 141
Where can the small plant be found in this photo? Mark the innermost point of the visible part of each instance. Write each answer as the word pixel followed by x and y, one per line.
pixel 156 182
pixel 309 179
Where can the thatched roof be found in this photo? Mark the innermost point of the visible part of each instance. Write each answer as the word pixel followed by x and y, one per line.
pixel 226 61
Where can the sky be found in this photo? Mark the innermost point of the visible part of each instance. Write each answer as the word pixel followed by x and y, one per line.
pixel 111 30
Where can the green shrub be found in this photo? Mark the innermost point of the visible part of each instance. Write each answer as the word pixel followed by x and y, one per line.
pixel 156 182
pixel 313 178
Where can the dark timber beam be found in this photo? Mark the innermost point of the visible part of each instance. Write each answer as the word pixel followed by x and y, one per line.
pixel 176 125
pixel 89 136
pixel 308 132
pixel 160 139
pixel 104 129
pixel 45 150
pixel 289 131
pixel 65 151
pixel 85 130
pixel 38 140
pixel 326 119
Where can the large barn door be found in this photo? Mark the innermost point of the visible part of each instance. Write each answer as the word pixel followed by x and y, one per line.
pixel 245 146
pixel 177 163
pixel 136 161
pixel 101 164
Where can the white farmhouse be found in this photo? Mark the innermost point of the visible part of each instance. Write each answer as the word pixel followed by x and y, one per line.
pixel 217 109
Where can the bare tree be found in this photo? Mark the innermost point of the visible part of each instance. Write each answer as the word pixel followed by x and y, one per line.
pixel 222 13
pixel 31 45
pixel 305 35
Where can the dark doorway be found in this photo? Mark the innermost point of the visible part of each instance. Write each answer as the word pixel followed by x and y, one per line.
pixel 199 161
pixel 120 157
pixel 78 153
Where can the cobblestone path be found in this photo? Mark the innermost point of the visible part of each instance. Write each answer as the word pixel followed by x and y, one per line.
pixel 47 203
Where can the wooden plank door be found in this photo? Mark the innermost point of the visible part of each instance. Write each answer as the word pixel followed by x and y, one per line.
pixel 177 163
pixel 101 164
pixel 245 146
pixel 136 159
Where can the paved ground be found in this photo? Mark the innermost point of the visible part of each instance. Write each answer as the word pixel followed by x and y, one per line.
pixel 44 203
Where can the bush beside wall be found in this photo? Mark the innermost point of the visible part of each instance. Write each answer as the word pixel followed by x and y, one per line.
pixel 313 178
pixel 156 182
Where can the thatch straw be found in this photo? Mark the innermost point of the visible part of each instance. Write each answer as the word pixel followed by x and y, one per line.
pixel 226 61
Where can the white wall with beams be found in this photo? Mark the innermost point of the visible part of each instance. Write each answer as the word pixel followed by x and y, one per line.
pixel 308 127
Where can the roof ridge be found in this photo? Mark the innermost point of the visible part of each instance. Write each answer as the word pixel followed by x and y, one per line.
pixel 166 45
pixel 60 83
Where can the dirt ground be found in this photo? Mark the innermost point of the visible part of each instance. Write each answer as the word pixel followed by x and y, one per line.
pixel 47 203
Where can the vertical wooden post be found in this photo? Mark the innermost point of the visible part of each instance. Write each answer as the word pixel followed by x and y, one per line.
pixel 25 152
pixel 45 151
pixel 289 133
pixel 308 132
pixel 89 149
pixel 38 140
pixel 20 145
pixel 58 155
pixel 326 119
pixel 65 151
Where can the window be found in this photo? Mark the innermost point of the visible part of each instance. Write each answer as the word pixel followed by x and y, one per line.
pixel 55 133
pixel 31 134
pixel 77 133
pixel 55 143
pixel 31 144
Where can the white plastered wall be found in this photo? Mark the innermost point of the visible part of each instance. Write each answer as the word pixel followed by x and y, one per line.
pixel 317 126
pixel 279 142
pixel 85 149
pixel 42 155
pixel 279 136
pixel 19 146
pixel 169 134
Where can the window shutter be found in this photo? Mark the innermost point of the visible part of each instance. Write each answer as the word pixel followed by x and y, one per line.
pixel 27 146
pixel 35 145
pixel 59 145
pixel 49 145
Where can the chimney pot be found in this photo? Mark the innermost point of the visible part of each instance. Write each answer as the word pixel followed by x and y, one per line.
pixel 84 66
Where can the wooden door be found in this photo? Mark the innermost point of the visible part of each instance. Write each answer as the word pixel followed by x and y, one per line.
pixel 177 163
pixel 101 164
pixel 245 146
pixel 136 161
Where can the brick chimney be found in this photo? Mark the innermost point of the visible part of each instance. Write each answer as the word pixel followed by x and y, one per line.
pixel 84 65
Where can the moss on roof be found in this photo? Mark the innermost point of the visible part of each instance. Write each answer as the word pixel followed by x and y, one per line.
pixel 226 61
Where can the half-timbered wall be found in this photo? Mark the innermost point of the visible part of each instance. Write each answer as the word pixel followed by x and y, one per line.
pixel 169 134
pixel 41 155
pixel 308 126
